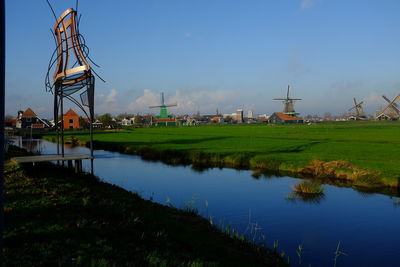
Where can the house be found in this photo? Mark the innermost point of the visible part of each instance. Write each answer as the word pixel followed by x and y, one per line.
pixel 71 120
pixel 280 117
pixel 190 121
pixel 96 124
pixel 127 121
pixel 28 119
pixel 217 119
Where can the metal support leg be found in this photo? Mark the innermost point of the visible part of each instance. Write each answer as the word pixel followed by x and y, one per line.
pixel 62 121
pixel 56 120
pixel 76 166
pixel 91 111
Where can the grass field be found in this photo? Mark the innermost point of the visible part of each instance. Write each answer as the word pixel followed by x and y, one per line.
pixel 366 152
pixel 54 217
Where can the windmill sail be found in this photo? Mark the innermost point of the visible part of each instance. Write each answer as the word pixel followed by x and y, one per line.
pixel 288 103
pixel 163 107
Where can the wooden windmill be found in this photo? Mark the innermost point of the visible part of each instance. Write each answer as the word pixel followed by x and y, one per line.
pixel 359 112
pixel 288 104
pixel 163 108
pixel 391 111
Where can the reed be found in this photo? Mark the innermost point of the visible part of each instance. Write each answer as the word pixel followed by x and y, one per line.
pixel 307 187
pixel 337 254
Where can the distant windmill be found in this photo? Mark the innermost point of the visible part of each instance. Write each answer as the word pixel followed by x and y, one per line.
pixel 393 107
pixel 288 102
pixel 163 108
pixel 358 109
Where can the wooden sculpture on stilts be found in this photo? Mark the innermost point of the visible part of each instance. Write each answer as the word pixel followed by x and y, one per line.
pixel 72 74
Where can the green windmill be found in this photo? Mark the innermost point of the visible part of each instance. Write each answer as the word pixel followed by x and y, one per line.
pixel 163 108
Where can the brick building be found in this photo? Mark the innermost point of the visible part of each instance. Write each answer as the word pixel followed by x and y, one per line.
pixel 71 120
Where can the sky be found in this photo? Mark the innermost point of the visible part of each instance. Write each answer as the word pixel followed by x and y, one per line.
pixel 209 54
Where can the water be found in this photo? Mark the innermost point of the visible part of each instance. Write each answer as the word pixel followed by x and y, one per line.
pixel 367 225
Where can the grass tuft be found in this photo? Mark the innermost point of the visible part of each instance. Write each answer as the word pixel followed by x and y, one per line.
pixel 307 187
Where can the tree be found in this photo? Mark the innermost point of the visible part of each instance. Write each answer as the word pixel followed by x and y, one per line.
pixel 137 119
pixel 148 118
pixel 106 119
pixel 82 122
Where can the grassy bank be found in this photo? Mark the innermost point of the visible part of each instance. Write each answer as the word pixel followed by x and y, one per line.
pixel 366 153
pixel 55 217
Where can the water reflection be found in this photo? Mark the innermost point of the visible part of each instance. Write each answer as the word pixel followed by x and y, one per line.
pixel 307 198
pixel 32 145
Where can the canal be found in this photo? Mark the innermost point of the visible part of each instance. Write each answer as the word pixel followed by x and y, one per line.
pixel 367 225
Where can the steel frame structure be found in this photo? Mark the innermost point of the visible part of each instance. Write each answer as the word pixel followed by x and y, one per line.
pixel 72 74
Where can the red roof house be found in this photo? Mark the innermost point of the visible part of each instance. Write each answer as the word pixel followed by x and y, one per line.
pixel 280 117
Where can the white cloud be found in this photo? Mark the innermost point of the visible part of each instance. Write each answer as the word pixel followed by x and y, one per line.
pixel 307 3
pixel 107 103
pixel 143 102
pixel 110 98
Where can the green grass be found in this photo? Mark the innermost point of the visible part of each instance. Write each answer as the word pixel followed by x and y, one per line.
pixel 371 148
pixel 58 218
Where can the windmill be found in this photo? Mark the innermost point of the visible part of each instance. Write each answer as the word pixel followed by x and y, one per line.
pixel 393 107
pixel 358 109
pixel 288 102
pixel 163 108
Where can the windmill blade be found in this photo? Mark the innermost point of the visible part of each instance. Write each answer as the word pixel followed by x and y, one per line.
pixel 279 99
pixel 393 105
pixel 396 109
pixel 288 88
pixel 295 99
pixel 359 104
pixel 393 102
pixel 355 101
pixel 171 105
pixel 162 98
pixel 390 105
pixel 352 108
pixel 155 106
pixel 384 109
pixel 389 101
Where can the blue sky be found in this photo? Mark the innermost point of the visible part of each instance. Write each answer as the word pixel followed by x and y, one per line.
pixel 214 54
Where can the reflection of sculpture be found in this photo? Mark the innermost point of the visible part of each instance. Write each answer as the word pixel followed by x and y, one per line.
pixel 72 72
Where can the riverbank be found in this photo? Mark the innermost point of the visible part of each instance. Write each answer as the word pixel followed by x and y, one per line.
pixel 361 154
pixel 56 217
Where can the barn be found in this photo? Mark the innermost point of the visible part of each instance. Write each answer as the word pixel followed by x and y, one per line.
pixel 280 117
